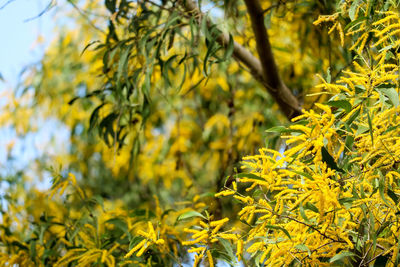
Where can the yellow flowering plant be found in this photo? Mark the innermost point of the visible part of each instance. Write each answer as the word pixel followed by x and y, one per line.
pixel 161 104
pixel 331 197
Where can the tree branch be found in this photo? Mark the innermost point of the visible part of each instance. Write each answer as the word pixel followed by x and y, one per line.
pixel 265 71
pixel 282 94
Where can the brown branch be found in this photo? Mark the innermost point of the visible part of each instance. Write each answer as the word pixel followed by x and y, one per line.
pixel 313 228
pixel 374 258
pixel 277 88
pixel 265 71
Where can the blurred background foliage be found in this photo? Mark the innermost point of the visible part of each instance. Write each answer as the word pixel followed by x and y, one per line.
pixel 158 114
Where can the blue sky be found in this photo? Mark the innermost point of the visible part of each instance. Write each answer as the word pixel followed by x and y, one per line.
pixel 18 49
pixel 19 35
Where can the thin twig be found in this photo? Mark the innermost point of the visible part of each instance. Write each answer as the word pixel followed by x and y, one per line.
pixel 374 258
pixel 86 17
pixel 316 249
pixel 365 255
pixel 270 7
pixel 312 227
pixel 159 6
pixel 6 4
pixel 48 7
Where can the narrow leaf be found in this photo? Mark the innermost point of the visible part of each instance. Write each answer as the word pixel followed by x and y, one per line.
pixel 308 176
pixel 392 94
pixel 228 248
pixel 229 48
pixel 278 129
pixel 341 256
pixel 329 160
pixel 343 104
pixel 382 189
pixel 279 228
pixel 370 128
pixel 303 214
pixel 190 214
pixel 303 247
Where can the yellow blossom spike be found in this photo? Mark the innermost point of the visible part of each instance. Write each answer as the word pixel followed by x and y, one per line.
pixel 141 251
pixel 219 222
pixel 151 231
pixel 210 259
pixel 135 248
pixel 225 193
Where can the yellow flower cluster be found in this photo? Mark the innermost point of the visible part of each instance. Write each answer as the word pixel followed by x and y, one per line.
pixel 87 257
pixel 204 236
pixel 335 188
pixel 150 238
pixel 336 24
pixel 60 185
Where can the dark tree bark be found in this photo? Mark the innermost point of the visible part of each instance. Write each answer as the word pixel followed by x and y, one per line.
pixel 263 70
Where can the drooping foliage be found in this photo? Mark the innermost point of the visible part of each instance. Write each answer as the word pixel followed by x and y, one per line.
pixel 161 109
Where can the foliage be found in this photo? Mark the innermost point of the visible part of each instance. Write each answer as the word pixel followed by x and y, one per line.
pixel 161 111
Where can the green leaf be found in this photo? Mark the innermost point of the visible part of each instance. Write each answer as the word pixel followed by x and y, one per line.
pixel 371 5
pixel 393 196
pixel 343 104
pixel 341 256
pixel 228 248
pixel 372 232
pixel 391 128
pixel 94 117
pixel 87 46
pixel 328 75
pixel 370 128
pixel 349 141
pixel 354 22
pixel 98 200
pixel 383 227
pixel 134 241
pixel 267 19
pixel 269 226
pixel 353 117
pixel 382 189
pixel 174 17
pixel 119 223
pixel 33 250
pixel 392 94
pixel 329 160
pixel 353 9
pixel 229 48
pixel 308 176
pixel 303 247
pixel 20 245
pixel 361 129
pixel 190 214
pixel 278 129
pixel 73 100
pixel 312 207
pixel 166 67
pixel 207 194
pixel 122 64
pixel 110 5
pixel 303 214
pixel 249 175
pixel 381 261
pixel 346 200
